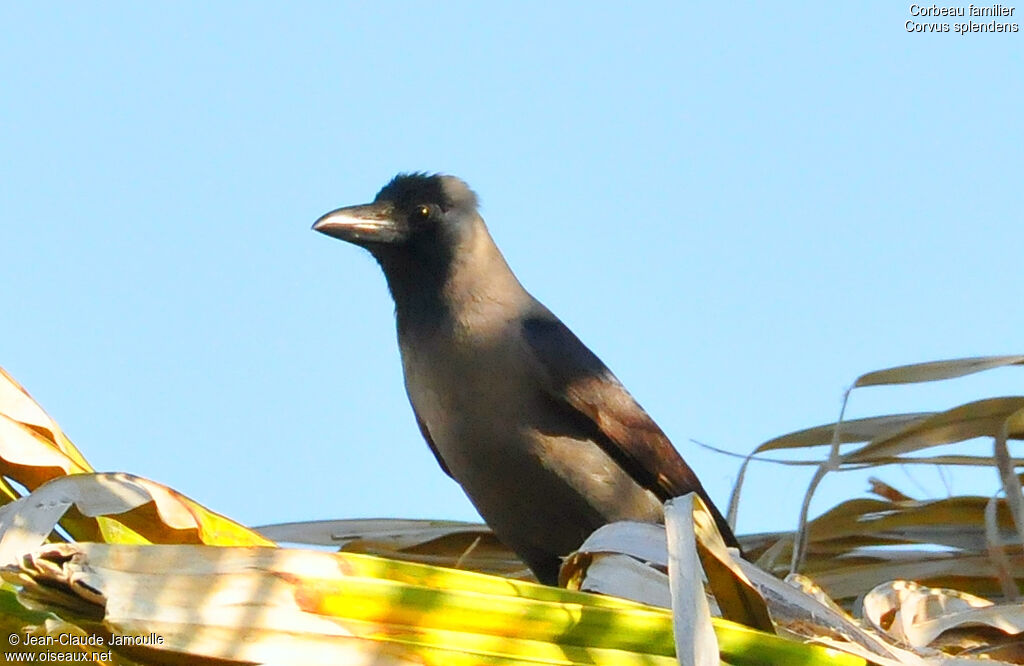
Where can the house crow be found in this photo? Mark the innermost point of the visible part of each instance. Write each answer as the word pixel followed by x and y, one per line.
pixel 542 437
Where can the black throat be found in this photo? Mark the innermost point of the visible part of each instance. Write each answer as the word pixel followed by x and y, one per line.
pixel 417 277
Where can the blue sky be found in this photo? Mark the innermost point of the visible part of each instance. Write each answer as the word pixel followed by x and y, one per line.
pixel 739 208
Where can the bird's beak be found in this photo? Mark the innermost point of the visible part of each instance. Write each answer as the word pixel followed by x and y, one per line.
pixel 369 223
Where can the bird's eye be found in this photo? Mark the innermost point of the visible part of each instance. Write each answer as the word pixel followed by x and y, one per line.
pixel 423 212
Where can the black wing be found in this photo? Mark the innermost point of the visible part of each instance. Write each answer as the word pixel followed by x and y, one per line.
pixel 575 376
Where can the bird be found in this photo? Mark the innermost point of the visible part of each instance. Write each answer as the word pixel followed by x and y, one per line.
pixel 545 441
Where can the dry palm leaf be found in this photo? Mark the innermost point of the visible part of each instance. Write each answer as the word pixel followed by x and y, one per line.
pixel 34 451
pixel 147 508
pixel 292 606
pixel 445 543
pixel 958 622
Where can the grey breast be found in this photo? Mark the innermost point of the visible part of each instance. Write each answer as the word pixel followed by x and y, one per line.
pixel 538 480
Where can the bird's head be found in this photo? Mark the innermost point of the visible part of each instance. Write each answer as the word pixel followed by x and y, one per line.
pixel 434 248
pixel 414 214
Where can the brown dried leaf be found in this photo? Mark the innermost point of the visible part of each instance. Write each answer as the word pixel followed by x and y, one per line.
pixel 936 370
pixel 982 418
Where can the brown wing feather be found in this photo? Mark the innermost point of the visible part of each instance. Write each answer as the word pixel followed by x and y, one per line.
pixel 576 376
